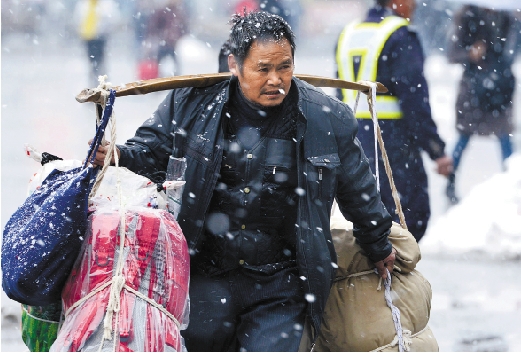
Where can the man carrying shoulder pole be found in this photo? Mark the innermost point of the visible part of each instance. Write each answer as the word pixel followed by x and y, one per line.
pixel 267 154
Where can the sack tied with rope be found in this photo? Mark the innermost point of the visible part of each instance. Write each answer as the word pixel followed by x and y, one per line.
pixel 361 315
pixel 356 317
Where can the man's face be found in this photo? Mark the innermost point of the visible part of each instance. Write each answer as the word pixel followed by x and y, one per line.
pixel 265 76
pixel 404 8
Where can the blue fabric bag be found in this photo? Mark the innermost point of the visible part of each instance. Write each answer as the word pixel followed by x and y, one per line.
pixel 43 238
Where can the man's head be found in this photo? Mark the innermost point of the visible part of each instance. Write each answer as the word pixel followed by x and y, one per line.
pixel 262 46
pixel 403 8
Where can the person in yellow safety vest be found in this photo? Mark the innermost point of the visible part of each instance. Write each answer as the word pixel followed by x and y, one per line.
pixel 383 48
pixel 95 20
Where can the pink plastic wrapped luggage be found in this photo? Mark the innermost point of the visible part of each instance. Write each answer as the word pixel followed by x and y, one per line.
pixel 138 304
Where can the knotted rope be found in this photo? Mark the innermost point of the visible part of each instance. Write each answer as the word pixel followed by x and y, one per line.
pixel 407 339
pixel 104 90
pixel 403 338
pixel 118 280
pixel 402 347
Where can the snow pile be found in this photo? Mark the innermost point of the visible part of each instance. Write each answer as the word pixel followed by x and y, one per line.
pixel 488 220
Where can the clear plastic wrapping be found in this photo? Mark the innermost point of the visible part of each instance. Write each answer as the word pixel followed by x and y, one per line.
pixel 138 304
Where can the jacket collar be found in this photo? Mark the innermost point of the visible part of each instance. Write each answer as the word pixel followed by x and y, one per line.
pixel 378 13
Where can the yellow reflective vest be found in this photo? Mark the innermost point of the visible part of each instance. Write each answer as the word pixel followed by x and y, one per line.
pixel 359 47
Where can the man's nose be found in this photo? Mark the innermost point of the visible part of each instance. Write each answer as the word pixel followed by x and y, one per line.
pixel 274 78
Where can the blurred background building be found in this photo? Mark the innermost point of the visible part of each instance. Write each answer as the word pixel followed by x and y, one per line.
pixel 316 22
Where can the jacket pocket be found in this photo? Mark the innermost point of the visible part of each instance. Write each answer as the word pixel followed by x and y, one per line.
pixel 199 149
pixel 279 179
pixel 321 175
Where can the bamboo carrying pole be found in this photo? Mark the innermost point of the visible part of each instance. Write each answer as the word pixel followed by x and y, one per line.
pixel 204 80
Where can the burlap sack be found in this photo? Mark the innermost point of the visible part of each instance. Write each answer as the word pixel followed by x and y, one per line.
pixel 356 316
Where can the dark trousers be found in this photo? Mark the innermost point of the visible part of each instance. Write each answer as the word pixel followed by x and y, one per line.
pixel 245 310
pixel 463 140
pixel 96 55
pixel 411 182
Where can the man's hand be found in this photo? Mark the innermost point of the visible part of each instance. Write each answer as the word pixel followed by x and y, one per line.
pixel 444 165
pixel 99 159
pixel 387 263
pixel 477 51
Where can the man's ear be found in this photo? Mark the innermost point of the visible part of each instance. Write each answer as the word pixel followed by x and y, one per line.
pixel 233 66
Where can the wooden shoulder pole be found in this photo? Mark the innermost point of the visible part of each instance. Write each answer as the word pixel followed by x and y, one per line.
pixel 204 80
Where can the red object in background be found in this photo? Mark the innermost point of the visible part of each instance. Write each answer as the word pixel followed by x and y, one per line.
pixel 246 5
pixel 148 69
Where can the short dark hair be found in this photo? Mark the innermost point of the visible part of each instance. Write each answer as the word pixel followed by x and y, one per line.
pixel 257 25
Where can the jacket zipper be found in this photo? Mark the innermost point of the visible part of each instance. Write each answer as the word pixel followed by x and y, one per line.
pixel 320 183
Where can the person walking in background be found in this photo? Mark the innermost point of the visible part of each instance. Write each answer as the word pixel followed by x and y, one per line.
pixel 484 42
pixel 267 154
pixel 383 48
pixel 96 20
pixel 161 24
pixel 166 24
pixel 142 9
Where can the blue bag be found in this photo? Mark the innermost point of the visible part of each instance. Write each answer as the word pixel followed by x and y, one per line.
pixel 43 238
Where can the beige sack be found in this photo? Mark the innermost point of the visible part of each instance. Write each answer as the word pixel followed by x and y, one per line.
pixel 356 316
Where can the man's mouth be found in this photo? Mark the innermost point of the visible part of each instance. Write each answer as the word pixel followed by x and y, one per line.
pixel 275 92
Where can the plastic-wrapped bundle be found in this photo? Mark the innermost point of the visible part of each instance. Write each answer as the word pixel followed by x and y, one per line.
pixel 137 304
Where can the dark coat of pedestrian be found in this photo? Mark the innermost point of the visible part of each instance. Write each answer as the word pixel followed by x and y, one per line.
pixel 492 36
pixel 484 42
pixel 165 26
pixel 384 48
pixel 267 154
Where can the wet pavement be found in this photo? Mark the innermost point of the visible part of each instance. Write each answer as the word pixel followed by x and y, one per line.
pixel 476 303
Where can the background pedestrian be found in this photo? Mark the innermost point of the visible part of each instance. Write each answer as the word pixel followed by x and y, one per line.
pixel 384 48
pixel 95 20
pixel 166 24
pixel 484 41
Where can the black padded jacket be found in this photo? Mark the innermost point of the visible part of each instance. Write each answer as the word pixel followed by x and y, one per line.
pixel 330 164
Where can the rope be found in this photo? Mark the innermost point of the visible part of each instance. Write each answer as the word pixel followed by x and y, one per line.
pixel 371 99
pixel 129 289
pixel 354 275
pixel 38 318
pixel 154 304
pixel 403 337
pixel 407 337
pixel 118 281
pixel 375 124
pixel 88 296
pixel 104 88
pixel 395 312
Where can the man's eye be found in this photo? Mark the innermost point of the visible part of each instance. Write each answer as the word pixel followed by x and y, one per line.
pixel 263 70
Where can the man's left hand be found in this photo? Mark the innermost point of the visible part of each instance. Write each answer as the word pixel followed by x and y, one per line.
pixel 387 263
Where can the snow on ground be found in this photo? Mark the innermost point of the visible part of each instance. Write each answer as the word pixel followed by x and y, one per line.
pixel 487 220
